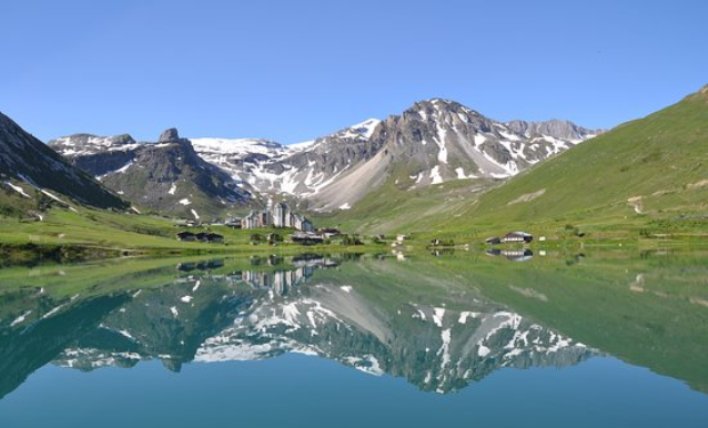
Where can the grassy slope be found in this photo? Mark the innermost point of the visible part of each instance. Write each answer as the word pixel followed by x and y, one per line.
pixel 660 161
pixel 142 233
pixel 388 207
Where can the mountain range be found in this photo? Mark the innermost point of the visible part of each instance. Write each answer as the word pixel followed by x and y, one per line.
pixel 167 176
pixel 438 167
pixel 650 171
pixel 431 143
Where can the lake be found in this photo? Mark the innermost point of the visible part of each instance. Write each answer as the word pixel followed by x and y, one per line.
pixel 460 339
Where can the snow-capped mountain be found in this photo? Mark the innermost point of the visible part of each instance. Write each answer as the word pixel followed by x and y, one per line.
pixel 298 170
pixel 233 154
pixel 167 176
pixel 437 141
pixel 430 143
pixel 30 170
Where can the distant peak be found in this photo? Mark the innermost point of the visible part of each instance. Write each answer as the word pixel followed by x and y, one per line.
pixel 360 131
pixel 425 108
pixel 441 101
pixel 169 135
pixel 437 102
pixel 367 123
pixel 6 121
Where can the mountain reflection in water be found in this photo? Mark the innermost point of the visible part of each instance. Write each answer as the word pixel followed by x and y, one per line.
pixel 432 325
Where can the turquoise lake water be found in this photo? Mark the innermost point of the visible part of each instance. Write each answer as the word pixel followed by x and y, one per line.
pixel 322 341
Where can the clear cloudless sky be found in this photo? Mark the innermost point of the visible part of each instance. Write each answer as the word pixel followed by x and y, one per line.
pixel 294 70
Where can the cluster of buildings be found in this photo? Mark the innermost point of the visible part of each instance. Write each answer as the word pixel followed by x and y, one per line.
pixel 279 215
pixel 201 237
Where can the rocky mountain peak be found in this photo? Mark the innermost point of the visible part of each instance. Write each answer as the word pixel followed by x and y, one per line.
pixel 6 122
pixel 438 110
pixel 26 159
pixel 561 129
pixel 359 132
pixel 168 135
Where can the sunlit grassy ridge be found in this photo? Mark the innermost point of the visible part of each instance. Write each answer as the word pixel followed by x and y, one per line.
pixel 656 167
pixel 648 176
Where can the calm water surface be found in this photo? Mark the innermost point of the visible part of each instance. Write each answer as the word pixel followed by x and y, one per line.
pixel 457 340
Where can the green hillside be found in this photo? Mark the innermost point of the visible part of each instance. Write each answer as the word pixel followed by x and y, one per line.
pixel 648 176
pixel 392 208
pixel 658 164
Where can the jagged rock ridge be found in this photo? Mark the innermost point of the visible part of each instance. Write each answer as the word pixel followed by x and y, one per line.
pixel 27 165
pixel 432 142
pixel 167 176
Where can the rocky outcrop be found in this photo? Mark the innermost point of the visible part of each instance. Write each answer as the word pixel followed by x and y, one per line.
pixel 168 176
pixel 432 142
pixel 436 141
pixel 168 135
pixel 25 159
pixel 560 129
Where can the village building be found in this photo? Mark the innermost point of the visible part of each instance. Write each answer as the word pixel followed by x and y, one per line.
pixel 329 232
pixel 279 215
pixel 301 223
pixel 214 237
pixel 307 238
pixel 186 236
pixel 282 217
pixel 201 236
pixel 256 219
pixel 233 222
pixel 517 237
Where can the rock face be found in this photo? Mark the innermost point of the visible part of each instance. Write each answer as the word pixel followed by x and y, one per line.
pixel 169 135
pixel 33 166
pixel 559 129
pixel 97 155
pixel 432 142
pixel 299 170
pixel 168 177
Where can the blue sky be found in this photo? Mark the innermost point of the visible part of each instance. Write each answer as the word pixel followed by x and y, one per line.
pixel 294 70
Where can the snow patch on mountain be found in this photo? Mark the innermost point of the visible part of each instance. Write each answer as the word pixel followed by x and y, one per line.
pixel 361 130
pixel 435 177
pixel 17 189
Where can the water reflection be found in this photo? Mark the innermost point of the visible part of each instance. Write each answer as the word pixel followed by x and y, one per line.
pixel 433 324
pixel 521 255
